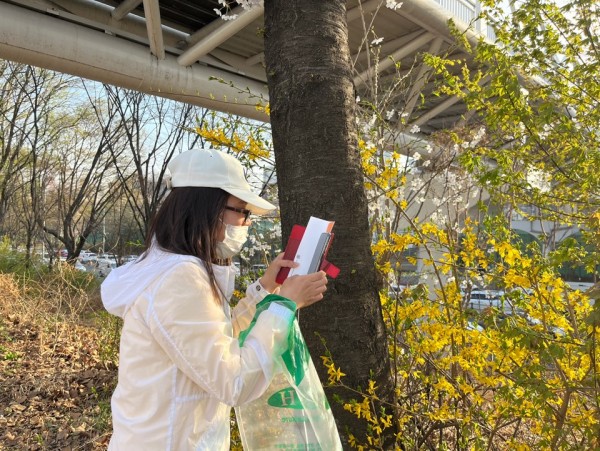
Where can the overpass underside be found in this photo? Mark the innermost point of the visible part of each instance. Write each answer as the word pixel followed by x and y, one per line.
pixel 180 49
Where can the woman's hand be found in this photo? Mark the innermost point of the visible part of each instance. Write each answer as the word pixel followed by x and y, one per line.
pixel 305 290
pixel 268 279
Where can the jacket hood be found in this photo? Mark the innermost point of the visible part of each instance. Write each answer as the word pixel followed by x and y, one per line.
pixel 124 284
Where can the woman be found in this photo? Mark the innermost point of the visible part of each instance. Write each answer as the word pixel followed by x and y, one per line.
pixel 181 366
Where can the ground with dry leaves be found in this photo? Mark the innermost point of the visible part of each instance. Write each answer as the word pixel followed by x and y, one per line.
pixel 56 377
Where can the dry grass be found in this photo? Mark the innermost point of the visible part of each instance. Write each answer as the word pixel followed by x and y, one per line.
pixel 57 363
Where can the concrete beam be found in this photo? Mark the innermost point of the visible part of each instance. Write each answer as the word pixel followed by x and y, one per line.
pixel 219 35
pixel 125 8
pixel 153 24
pixel 32 38
pixel 390 60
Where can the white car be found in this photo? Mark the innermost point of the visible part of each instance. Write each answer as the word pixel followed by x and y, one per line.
pixel 87 257
pixel 483 299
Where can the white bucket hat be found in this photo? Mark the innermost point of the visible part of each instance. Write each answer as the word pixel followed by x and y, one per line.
pixel 214 169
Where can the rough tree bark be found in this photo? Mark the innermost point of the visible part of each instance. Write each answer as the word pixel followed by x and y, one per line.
pixel 319 173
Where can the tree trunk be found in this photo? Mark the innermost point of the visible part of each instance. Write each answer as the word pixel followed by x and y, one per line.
pixel 319 174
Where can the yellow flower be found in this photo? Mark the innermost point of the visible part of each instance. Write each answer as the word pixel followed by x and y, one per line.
pixel 513 279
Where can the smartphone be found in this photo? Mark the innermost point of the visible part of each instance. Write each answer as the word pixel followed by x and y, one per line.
pixel 320 251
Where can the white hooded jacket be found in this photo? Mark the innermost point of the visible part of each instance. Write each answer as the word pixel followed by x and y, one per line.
pixel 181 367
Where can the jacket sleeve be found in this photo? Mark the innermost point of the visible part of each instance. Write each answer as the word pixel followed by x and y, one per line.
pixel 243 312
pixel 194 331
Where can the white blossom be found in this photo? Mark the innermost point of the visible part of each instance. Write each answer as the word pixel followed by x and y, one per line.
pixel 544 134
pixel 538 180
pixel 390 114
pixel 377 41
pixel 249 4
pixel 478 137
pixel 415 129
pixel 392 4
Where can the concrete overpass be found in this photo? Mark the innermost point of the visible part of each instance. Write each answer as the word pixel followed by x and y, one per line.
pixel 179 48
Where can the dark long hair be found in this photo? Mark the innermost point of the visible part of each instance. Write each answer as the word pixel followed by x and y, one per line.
pixel 188 222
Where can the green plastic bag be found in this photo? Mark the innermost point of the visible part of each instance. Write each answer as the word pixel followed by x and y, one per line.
pixel 293 414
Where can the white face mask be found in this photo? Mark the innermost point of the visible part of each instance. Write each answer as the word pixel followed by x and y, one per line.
pixel 235 238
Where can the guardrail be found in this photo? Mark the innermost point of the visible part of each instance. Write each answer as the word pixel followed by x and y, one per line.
pixel 468 12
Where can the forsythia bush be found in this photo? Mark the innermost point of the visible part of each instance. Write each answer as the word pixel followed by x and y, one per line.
pixel 527 380
pixel 523 373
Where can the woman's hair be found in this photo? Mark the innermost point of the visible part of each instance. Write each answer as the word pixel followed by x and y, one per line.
pixel 188 222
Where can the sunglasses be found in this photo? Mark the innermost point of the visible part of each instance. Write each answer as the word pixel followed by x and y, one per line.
pixel 244 211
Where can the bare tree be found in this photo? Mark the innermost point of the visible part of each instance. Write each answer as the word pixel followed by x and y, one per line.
pixel 30 99
pixel 81 188
pixel 154 129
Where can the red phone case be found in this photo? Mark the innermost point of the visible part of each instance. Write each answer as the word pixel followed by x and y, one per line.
pixel 290 252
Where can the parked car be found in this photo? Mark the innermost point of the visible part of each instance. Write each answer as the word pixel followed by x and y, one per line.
pixel 87 257
pixel 483 299
pixel 105 260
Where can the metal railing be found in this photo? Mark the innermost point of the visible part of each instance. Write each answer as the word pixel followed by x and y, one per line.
pixel 468 11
